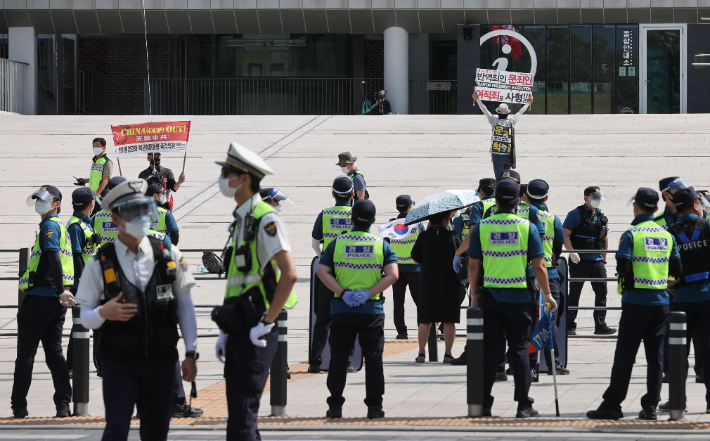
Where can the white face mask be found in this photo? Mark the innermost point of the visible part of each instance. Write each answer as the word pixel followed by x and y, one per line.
pixel 595 203
pixel 225 188
pixel 163 198
pixel 138 228
pixel 277 208
pixel 42 207
pixel 98 151
pixel 345 170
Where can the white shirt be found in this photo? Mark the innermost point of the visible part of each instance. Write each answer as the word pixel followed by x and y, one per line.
pixel 91 285
pixel 271 237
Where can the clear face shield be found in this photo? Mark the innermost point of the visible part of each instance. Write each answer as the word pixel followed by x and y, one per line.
pixel 42 195
pixel 142 207
pixel 704 196
pixel 676 185
pixel 279 196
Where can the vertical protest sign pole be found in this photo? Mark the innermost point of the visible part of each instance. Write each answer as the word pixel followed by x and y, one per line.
pixel 118 160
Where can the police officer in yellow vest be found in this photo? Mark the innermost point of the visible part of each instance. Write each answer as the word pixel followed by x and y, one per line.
pixel 501 246
pixel 166 221
pixel 101 169
pixel 352 267
pixel 330 223
pixel 259 237
pixel 103 222
pixel 49 274
pixel 647 255
pixel 346 162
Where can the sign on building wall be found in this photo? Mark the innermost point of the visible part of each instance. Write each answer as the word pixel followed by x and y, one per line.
pixel 506 87
pixel 159 137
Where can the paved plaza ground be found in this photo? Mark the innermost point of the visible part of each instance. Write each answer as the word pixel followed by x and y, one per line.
pixel 416 155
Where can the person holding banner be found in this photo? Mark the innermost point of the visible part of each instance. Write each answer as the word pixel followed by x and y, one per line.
pixel 155 173
pixel 647 255
pixel 503 138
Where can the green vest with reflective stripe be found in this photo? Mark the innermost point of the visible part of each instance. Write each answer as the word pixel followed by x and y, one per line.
pixel 336 221
pixel 650 255
pixel 660 220
pixel 522 211
pixel 358 260
pixel 488 203
pixel 65 256
pixel 548 236
pixel 97 172
pixel 504 245
pixel 403 249
pixel 160 226
pixel 465 217
pixel 89 250
pixel 105 227
pixel 156 235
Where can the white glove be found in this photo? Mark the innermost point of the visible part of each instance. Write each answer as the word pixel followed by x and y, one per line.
pixel 67 299
pixel 553 304
pixel 574 257
pixel 536 284
pixel 258 331
pixel 220 348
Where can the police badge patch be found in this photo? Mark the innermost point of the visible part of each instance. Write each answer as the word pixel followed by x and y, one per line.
pixel 270 228
pixel 49 234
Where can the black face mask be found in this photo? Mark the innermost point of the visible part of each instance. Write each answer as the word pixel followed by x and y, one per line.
pixel 155 162
pixel 503 115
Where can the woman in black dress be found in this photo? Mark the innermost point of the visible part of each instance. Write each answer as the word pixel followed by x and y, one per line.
pixel 441 291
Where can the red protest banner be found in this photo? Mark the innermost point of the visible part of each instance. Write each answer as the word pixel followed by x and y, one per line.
pixel 161 137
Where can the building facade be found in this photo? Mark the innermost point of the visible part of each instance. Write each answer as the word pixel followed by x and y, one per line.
pixel 330 56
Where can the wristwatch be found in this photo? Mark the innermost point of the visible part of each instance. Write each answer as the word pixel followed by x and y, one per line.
pixel 193 354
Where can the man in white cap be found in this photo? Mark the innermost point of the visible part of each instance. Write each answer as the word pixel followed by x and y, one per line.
pixel 503 138
pixel 132 290
pixel 248 338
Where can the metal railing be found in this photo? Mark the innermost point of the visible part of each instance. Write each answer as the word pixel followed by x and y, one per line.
pixel 92 91
pixel 287 96
pixel 13 93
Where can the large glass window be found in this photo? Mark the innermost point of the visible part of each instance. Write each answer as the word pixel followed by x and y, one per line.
pixel 558 68
pixel 603 68
pixel 627 62
pixel 663 67
pixel 536 35
pixel 580 69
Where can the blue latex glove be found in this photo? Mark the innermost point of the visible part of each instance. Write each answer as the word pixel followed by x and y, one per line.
pixel 361 297
pixel 457 263
pixel 349 298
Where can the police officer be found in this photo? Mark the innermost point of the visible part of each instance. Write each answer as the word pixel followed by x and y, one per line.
pixel 131 291
pixel 409 272
pixel 586 229
pixel 647 254
pixel 166 223
pixel 84 243
pixel 40 317
pixel 330 223
pixel 274 196
pixel 553 237
pixel 259 237
pixel 502 246
pixel 103 219
pixel 101 169
pixel 669 214
pixel 691 293
pixel 352 267
pixel 346 162
pixel 503 138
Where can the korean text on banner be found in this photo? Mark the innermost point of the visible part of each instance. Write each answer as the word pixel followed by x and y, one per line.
pixel 158 137
pixel 397 230
pixel 506 87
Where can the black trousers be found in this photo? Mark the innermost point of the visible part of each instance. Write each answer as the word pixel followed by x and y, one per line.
pixel 320 329
pixel 512 321
pixel 145 383
pixel 246 369
pixel 698 322
pixel 590 269
pixel 178 392
pixel 637 323
pixel 399 291
pixel 370 329
pixel 40 319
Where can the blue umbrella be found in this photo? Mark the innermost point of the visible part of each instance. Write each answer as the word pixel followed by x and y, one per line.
pixel 439 202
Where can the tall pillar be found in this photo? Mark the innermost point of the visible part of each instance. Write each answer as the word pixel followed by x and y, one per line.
pixel 397 69
pixel 22 44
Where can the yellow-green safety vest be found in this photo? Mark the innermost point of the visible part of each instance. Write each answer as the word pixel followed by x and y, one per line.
pixel 650 256
pixel 522 210
pixel 97 172
pixel 336 221
pixel 65 257
pixel 358 260
pixel 103 224
pixel 88 251
pixel 465 217
pixel 504 245
pixel 403 249
pixel 160 226
pixel 548 236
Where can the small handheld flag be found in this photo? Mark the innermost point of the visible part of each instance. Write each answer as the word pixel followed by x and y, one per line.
pixel 541 336
pixel 397 230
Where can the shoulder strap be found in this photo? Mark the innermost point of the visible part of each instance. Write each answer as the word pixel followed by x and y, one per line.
pixel 701 223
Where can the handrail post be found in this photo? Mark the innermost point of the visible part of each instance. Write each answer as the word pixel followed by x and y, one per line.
pixel 279 368
pixel 433 346
pixel 677 369
pixel 80 366
pixel 474 361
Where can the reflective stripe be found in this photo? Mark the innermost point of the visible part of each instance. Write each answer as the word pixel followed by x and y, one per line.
pixel 652 282
pixel 402 242
pixel 243 280
pixel 282 323
pixel 404 259
pixel 80 335
pixel 474 322
pixel 331 235
pixel 548 238
pixel 357 266
pixel 500 281
pixel 474 336
pixel 504 221
pixel 511 253
pixel 548 259
pixel 283 337
pixel 647 229
pixel 360 238
pixel 648 259
pixel 76 320
pixel 338 212
pixel 677 341
pixel 678 326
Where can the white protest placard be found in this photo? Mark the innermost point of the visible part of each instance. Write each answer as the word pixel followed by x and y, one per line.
pixel 506 87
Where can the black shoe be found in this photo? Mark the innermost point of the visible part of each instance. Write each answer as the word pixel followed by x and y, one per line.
pixel 313 368
pixel 559 370
pixel 184 410
pixel 20 413
pixel 572 331
pixel 604 330
pixel 351 369
pixel 288 373
pixel 699 378
pixel 665 378
pixel 526 412
pixel 501 376
pixel 509 371
pixel 334 412
pixel 461 361
pixel 402 336
pixel 375 412
pixel 648 413
pixel 606 413
pixel 63 410
pixel 667 406
pixel 534 375
pixel 487 411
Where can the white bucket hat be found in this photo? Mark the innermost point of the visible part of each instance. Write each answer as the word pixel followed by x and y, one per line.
pixel 503 108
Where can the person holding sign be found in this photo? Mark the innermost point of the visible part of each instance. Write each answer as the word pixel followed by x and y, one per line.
pixel 155 173
pixel 503 138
